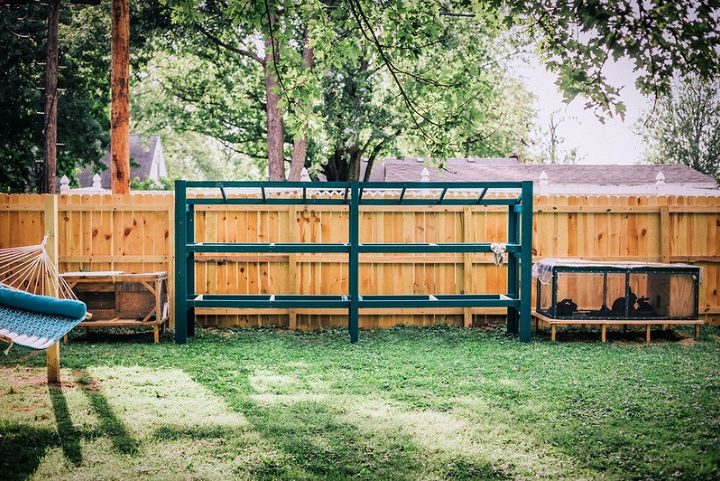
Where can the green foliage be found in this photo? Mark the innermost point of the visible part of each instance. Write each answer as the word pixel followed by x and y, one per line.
pixel 684 127
pixel 662 39
pixel 420 84
pixel 83 125
pixel 149 184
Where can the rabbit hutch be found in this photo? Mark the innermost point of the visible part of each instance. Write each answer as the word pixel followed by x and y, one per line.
pixel 579 292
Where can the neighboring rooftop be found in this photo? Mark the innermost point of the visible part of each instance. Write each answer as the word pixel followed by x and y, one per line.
pixel 146 162
pixel 556 178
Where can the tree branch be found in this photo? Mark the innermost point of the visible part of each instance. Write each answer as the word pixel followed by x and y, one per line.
pixel 232 48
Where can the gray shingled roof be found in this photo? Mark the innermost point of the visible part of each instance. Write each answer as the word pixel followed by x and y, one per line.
pixel 395 170
pixel 142 151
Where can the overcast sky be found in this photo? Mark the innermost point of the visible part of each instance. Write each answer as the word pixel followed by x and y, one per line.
pixel 611 143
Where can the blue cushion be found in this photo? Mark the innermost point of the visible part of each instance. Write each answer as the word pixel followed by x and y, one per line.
pixel 42 304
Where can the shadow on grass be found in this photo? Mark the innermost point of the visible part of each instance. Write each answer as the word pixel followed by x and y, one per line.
pixel 320 446
pixel 110 424
pixel 22 449
pixel 69 435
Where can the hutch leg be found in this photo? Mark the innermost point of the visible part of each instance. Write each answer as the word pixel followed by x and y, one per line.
pixel 156 334
pixel 603 333
pixel 697 331
pixel 552 332
pixel 647 333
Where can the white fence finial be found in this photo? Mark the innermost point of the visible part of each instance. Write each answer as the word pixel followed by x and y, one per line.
pixel 660 182
pixel 304 175
pixel 425 175
pixel 97 182
pixel 660 179
pixel 544 182
pixel 64 185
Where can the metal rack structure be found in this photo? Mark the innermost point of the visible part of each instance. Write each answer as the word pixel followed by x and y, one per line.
pixel 354 195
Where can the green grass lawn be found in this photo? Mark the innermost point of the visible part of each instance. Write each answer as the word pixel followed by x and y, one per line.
pixel 402 404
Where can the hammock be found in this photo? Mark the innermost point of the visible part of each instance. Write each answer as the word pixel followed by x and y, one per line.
pixel 32 318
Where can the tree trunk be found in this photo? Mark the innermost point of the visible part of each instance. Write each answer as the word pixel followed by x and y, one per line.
pixel 299 153
pixel 51 69
pixel 275 132
pixel 120 106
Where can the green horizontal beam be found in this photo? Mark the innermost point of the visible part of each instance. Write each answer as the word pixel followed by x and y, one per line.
pixel 468 300
pixel 270 302
pixel 280 247
pixel 431 248
pixel 249 184
pixel 265 200
pixel 436 201
pixel 441 185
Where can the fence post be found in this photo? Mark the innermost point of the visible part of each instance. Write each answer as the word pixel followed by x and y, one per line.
pixel 180 264
pixel 51 228
pixel 665 233
pixel 526 261
pixel 353 322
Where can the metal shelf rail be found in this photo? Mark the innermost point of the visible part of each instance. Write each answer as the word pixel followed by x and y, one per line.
pixel 354 195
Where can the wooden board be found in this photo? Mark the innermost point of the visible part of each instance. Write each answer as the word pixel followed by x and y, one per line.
pixel 133 233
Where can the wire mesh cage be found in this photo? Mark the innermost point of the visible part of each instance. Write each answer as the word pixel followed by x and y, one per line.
pixel 576 289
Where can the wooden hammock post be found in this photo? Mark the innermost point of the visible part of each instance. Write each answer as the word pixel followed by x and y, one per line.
pixel 51 228
pixel 120 105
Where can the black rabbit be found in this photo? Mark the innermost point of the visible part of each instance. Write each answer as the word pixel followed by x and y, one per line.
pixel 566 307
pixel 618 306
pixel 645 308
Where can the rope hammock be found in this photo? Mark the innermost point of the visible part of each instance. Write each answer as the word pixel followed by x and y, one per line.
pixel 29 317
pixel 30 269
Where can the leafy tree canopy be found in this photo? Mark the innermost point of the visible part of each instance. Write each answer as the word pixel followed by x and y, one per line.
pixel 662 38
pixel 388 77
pixel 684 127
pixel 83 127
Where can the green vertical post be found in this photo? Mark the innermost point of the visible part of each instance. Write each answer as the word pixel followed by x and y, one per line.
pixel 512 274
pixel 180 263
pixel 190 269
pixel 353 262
pixel 526 261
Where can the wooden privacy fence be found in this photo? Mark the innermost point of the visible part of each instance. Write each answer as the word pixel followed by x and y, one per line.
pixel 135 233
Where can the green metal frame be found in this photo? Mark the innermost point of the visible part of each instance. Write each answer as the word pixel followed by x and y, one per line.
pixel 519 249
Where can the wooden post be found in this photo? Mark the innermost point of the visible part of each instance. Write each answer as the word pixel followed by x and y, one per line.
pixel 120 107
pixel 665 233
pixel 603 331
pixel 553 332
pixel 50 111
pixel 51 227
pixel 53 364
pixel 647 333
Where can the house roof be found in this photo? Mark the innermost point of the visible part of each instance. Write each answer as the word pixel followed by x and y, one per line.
pixel 142 152
pixel 579 175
